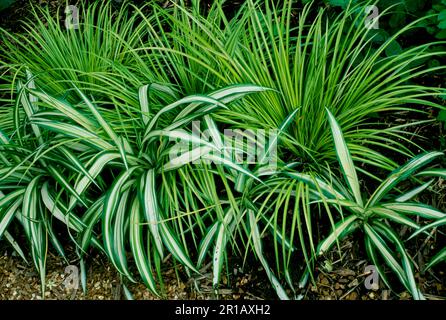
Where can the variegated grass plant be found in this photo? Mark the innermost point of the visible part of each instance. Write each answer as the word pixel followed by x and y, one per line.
pixel 61 157
pixel 87 132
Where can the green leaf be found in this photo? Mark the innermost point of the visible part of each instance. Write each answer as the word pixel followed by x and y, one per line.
pixel 442 24
pixel 174 246
pixel 137 245
pixel 394 216
pixel 414 192
pixel 4 4
pixel 149 204
pixel 441 35
pixel 220 247
pixel 112 206
pixel 206 243
pixel 428 227
pixel 418 209
pixel 400 174
pixel 393 48
pixel 344 158
pixel 341 229
pixel 439 257
pixel 442 15
pixel 442 116
pixel 257 244
pixel 339 3
pixel 386 253
pixel 406 262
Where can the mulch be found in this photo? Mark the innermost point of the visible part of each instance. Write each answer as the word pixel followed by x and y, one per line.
pixel 20 281
pixel 336 278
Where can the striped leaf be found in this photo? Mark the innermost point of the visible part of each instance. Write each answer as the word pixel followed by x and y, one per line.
pixel 97 115
pixel 16 246
pixel 6 216
pixel 180 135
pixel 118 232
pixel 231 165
pixel 414 192
pixel 186 157
pixel 439 257
pixel 371 253
pixel 144 97
pixel 432 173
pixel 341 229
pixel 394 216
pixel 273 143
pixel 257 244
pixel 430 226
pixel 77 164
pixel 112 204
pixel 6 200
pixel 316 184
pixel 226 95
pixel 417 209
pixel 73 132
pixel 187 100
pixel 206 243
pixel 174 246
pixel 386 253
pixel 222 234
pixel 90 219
pixel 137 247
pixel 149 204
pixel 65 184
pixel 407 264
pixel 400 174
pixel 32 221
pixel 58 210
pixel 66 109
pixel 96 164
pixel 345 159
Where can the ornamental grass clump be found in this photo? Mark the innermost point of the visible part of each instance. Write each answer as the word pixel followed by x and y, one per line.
pixel 113 138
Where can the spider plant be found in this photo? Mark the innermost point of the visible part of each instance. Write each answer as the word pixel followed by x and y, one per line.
pixel 31 165
pixel 377 215
pixel 441 255
pixel 76 150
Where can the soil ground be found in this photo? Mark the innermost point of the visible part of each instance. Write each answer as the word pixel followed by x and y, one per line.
pixel 337 278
